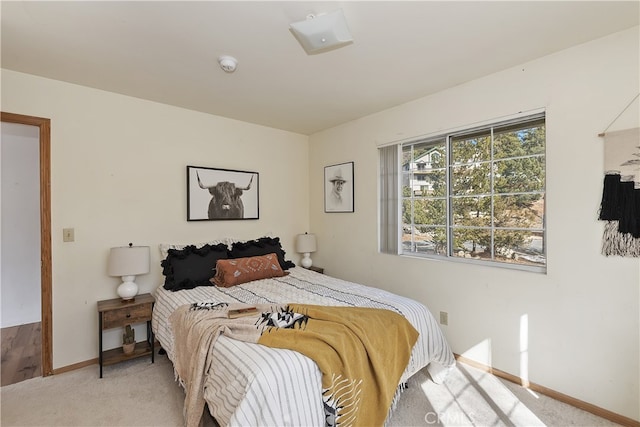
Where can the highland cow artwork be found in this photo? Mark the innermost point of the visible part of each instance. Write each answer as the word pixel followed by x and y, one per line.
pixel 221 194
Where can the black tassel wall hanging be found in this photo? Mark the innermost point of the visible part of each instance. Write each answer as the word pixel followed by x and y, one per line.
pixel 620 205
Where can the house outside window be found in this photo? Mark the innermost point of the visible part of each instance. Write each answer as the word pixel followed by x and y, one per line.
pixel 476 196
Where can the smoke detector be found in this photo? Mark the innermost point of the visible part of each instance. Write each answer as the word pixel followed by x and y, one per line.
pixel 228 63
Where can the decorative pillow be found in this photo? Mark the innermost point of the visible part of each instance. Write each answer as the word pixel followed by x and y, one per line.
pixel 191 266
pixel 231 272
pixel 164 247
pixel 261 246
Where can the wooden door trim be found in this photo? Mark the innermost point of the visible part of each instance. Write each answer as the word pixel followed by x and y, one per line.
pixel 45 231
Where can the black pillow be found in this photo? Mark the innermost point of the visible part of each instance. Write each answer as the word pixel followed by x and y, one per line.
pixel 191 267
pixel 261 246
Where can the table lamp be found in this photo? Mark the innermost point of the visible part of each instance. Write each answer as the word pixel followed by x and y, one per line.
pixel 128 262
pixel 305 244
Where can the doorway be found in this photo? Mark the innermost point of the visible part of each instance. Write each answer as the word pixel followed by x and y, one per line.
pixel 43 328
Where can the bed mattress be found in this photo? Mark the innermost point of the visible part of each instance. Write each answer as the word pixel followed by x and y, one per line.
pixel 250 384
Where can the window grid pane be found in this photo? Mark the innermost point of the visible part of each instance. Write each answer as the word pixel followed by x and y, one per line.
pixel 424 188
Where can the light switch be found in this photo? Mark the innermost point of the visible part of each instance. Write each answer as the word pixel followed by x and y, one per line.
pixel 68 235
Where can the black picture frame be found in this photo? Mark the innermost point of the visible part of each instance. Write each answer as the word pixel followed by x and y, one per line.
pixel 215 194
pixel 339 188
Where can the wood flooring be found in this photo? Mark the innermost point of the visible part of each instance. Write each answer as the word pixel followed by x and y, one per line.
pixel 21 353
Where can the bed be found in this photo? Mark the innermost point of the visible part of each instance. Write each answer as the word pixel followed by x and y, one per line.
pixel 250 384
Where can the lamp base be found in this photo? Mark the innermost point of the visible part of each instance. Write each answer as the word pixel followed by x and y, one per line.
pixel 128 288
pixel 306 260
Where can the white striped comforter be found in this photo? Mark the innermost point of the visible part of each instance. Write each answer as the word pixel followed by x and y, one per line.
pixel 252 385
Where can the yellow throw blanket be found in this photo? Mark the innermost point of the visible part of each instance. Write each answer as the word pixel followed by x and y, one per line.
pixel 361 352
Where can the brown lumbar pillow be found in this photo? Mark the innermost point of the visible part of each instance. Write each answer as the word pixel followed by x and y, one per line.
pixel 231 272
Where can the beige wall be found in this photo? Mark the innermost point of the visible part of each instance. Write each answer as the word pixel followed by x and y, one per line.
pixel 118 175
pixel 574 329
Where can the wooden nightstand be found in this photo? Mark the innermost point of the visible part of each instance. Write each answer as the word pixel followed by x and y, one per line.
pixel 114 313
pixel 317 269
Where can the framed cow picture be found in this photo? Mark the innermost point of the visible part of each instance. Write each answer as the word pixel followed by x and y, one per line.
pixel 221 194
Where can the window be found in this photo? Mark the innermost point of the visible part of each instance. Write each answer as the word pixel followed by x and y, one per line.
pixel 476 195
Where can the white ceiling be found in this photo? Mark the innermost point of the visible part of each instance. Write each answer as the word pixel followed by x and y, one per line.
pixel 167 51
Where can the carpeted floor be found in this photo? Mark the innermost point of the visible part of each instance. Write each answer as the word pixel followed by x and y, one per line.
pixel 138 393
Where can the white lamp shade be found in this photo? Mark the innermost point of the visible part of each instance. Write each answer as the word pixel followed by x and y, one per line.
pixel 305 243
pixel 128 261
pixel 322 32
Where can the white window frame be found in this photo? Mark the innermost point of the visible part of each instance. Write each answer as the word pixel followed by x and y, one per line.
pixel 449 256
